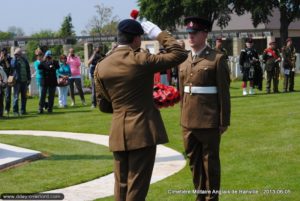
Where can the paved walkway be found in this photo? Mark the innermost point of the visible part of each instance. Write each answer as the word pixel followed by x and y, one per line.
pixel 12 155
pixel 167 163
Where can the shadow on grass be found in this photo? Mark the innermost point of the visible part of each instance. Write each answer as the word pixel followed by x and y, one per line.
pixel 79 157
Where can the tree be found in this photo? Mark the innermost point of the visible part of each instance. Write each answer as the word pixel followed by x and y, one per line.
pixel 6 35
pixel 103 22
pixel 262 10
pixel 32 45
pixel 66 30
pixel 170 13
pixel 16 31
pixel 44 34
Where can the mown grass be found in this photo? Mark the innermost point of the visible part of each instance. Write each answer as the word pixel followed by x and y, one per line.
pixel 260 151
pixel 68 162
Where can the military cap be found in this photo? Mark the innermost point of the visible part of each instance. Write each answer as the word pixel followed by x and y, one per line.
pixel 289 39
pixel 219 39
pixel 249 40
pixel 197 24
pixel 272 42
pixel 130 26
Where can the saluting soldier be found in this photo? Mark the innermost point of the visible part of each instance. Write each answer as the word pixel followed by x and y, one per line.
pixel 126 77
pixel 289 64
pixel 272 59
pixel 205 107
pixel 250 67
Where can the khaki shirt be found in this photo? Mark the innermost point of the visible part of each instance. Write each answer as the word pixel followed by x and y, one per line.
pixel 205 110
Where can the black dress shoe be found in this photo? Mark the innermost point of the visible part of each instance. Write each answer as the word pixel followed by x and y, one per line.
pixel 40 111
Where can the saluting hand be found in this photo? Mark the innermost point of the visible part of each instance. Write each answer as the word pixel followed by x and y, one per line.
pixel 151 29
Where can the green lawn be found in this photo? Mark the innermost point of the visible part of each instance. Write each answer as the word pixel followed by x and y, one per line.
pixel 260 151
pixel 68 162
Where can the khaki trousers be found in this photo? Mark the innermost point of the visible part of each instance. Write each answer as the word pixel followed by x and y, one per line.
pixel 133 171
pixel 202 149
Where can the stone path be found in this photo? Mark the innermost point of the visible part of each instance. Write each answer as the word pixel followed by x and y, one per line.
pixel 12 155
pixel 167 163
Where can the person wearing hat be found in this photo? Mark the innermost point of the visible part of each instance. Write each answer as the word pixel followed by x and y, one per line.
pixel 48 68
pixel 219 47
pixel 22 75
pixel 205 107
pixel 272 59
pixel 125 77
pixel 289 64
pixel 5 62
pixel 250 67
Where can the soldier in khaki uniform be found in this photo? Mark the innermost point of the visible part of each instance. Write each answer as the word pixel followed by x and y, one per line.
pixel 137 127
pixel 219 47
pixel 289 64
pixel 205 108
pixel 271 58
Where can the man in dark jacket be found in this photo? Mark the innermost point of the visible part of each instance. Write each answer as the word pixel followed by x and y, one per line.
pixel 5 62
pixel 48 68
pixel 21 72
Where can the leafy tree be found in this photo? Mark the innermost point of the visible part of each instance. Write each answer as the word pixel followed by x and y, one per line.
pixel 16 31
pixel 32 45
pixel 102 23
pixel 44 34
pixel 170 13
pixel 66 30
pixel 6 35
pixel 262 10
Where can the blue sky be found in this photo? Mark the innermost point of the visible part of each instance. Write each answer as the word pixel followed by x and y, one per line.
pixel 35 15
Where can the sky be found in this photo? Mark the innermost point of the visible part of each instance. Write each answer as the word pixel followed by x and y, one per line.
pixel 36 15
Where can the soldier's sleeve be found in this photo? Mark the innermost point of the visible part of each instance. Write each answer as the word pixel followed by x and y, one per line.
pixel 174 55
pixel 181 83
pixel 99 88
pixel 223 84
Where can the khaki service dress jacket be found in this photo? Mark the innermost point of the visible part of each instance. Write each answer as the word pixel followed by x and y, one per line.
pixel 201 110
pixel 127 76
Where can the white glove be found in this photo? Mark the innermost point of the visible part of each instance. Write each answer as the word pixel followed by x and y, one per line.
pixel 151 29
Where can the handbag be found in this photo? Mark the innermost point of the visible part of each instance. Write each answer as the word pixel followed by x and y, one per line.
pixel 11 80
pixel 62 81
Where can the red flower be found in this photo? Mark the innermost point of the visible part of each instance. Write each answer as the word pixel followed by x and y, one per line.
pixel 165 96
pixel 134 14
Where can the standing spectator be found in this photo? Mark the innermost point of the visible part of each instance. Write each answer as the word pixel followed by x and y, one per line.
pixel 38 73
pixel 3 80
pixel 205 108
pixel 75 63
pixel 289 65
pixel 248 61
pixel 271 58
pixel 137 126
pixel 95 58
pixel 5 62
pixel 21 72
pixel 48 68
pixel 63 72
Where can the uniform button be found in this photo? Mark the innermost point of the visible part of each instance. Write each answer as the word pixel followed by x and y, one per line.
pixel 191 74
